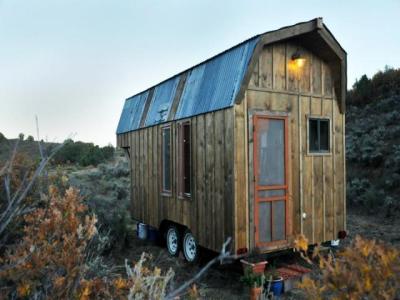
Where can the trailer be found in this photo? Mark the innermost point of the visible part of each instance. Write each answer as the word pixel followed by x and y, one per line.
pixel 249 144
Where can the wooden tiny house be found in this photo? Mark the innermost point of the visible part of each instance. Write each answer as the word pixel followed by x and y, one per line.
pixel 248 144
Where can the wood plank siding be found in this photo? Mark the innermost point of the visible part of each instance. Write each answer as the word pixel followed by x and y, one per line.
pixel 209 210
pixel 317 182
pixel 223 183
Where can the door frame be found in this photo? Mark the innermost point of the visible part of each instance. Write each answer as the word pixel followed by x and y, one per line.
pixel 253 163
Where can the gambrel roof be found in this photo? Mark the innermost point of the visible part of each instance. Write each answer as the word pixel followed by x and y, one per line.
pixel 218 82
pixel 209 86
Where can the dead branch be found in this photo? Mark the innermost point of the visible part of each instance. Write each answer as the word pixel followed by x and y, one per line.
pixel 4 169
pixel 38 137
pixel 15 205
pixel 7 171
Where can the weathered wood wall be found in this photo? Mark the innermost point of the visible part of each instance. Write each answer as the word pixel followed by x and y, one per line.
pixel 209 211
pixel 222 161
pixel 317 182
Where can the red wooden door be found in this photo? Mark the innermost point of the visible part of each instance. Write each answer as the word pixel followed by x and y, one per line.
pixel 271 176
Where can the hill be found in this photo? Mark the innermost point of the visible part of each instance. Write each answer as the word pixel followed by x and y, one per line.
pixel 73 152
pixel 26 147
pixel 373 143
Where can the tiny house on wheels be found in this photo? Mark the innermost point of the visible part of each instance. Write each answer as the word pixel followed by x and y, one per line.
pixel 249 144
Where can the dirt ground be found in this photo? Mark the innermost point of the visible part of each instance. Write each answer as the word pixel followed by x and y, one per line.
pixel 223 282
pixel 386 229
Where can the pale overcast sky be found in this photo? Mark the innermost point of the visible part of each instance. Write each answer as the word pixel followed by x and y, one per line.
pixel 73 62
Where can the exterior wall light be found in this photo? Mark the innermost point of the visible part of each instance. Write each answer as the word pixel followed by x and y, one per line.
pixel 298 60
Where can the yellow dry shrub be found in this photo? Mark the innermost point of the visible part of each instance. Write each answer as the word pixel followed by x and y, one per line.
pixel 364 270
pixel 50 260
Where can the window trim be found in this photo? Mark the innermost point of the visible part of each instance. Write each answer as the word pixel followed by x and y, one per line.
pixel 163 191
pixel 180 161
pixel 323 153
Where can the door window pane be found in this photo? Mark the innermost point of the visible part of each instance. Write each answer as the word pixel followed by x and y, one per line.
pixel 264 223
pixel 271 152
pixel 271 193
pixel 279 217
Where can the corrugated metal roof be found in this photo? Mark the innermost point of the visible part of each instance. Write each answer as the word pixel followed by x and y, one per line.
pixel 214 85
pixel 210 86
pixel 162 100
pixel 132 112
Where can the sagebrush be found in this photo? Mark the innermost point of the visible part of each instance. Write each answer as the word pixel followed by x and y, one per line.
pixel 366 269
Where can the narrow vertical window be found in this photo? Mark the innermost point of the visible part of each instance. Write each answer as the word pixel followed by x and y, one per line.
pixel 184 159
pixel 319 135
pixel 166 159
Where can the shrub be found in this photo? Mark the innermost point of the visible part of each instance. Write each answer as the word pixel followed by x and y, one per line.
pixel 355 188
pixel 50 258
pixel 372 148
pixel 364 270
pixel 53 260
pixel 106 191
pixel 2 138
pixel 21 172
pixel 373 199
pixel 84 154
pixel 382 85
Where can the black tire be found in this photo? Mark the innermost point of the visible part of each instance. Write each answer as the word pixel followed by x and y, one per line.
pixel 173 240
pixel 190 247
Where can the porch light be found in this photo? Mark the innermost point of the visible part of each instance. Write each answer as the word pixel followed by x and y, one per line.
pixel 298 59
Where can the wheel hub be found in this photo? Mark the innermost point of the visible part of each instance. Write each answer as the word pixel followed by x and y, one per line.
pixel 172 241
pixel 190 248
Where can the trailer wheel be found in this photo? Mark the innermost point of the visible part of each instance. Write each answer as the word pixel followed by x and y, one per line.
pixel 173 240
pixel 190 247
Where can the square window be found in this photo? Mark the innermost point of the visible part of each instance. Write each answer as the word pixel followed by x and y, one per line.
pixel 319 135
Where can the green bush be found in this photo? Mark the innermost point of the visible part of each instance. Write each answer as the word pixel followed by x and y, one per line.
pixel 382 85
pixel 106 189
pixel 372 142
pixel 2 138
pixel 84 154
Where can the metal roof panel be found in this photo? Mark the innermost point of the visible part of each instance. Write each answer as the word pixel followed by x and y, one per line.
pixel 162 100
pixel 132 113
pixel 215 84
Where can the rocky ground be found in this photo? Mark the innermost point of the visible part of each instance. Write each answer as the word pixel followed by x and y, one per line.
pixel 386 229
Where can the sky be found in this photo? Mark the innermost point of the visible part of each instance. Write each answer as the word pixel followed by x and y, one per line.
pixel 72 63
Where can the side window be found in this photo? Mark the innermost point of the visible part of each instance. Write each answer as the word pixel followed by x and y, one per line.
pixel 319 135
pixel 184 159
pixel 166 159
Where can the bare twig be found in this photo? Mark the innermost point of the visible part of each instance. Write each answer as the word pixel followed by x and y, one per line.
pixel 7 187
pixel 18 262
pixel 15 201
pixel 38 137
pixel 13 154
pixel 4 169
pixel 8 171
pixel 223 256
